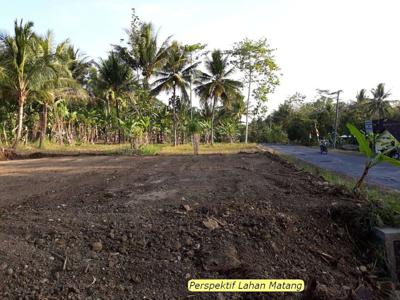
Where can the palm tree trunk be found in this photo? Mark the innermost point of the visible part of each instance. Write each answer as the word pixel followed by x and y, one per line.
pixel 43 125
pixel 21 103
pixel 196 143
pixel 174 113
pixel 108 113
pixel 119 127
pixel 247 109
pixel 212 119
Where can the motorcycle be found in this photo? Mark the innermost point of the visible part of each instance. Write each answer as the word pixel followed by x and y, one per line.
pixel 323 147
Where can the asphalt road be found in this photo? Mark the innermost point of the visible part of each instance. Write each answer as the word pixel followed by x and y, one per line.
pixel 351 164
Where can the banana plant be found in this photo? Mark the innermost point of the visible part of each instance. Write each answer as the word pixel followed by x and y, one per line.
pixel 206 128
pixel 229 130
pixel 134 130
pixel 372 158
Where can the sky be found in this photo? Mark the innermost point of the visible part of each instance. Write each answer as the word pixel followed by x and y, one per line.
pixel 320 44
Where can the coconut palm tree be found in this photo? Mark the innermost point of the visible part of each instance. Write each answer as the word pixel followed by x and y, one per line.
pixel 79 65
pixel 19 67
pixel 145 55
pixel 215 85
pixel 379 105
pixel 61 84
pixel 115 77
pixel 175 76
pixel 361 96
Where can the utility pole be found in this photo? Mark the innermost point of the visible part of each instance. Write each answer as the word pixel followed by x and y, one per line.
pixel 326 92
pixel 336 116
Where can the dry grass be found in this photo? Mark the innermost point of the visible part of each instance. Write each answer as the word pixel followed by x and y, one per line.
pixel 219 148
pixel 53 148
pixel 125 149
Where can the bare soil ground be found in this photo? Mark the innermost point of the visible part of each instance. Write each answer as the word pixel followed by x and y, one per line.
pixel 107 227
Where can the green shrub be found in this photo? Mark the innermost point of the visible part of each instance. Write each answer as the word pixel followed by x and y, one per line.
pixel 275 134
pixel 149 150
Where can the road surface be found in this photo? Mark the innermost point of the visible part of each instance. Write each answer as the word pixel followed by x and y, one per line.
pixel 348 163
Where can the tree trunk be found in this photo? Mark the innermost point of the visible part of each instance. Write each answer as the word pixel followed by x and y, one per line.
pixel 26 135
pixel 21 103
pixel 108 125
pixel 174 113
pixel 212 119
pixel 5 134
pixel 119 127
pixel 60 131
pixel 247 109
pixel 196 143
pixel 361 180
pixel 43 126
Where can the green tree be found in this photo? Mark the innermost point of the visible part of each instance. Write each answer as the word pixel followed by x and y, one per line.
pixel 196 51
pixel 59 83
pixel 19 66
pixel 79 65
pixel 144 54
pixel 176 74
pixel 299 129
pixel 256 61
pixel 361 96
pixel 116 79
pixel 215 85
pixel 379 105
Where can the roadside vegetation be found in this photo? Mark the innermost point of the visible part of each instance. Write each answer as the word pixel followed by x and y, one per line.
pixel 383 205
pixel 372 158
pixel 303 120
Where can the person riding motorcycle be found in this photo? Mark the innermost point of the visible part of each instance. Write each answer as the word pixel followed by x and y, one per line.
pixel 323 146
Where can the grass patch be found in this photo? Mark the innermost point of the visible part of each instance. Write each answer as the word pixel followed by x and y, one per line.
pixel 219 148
pixel 151 149
pixel 382 202
pixel 125 149
pixel 53 148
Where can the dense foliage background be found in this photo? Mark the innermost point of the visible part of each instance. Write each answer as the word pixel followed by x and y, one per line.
pixel 143 93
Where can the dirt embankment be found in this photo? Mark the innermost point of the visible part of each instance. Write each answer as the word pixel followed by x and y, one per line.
pixel 11 154
pixel 141 227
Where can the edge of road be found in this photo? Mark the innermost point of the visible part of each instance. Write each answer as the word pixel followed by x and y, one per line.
pixel 374 185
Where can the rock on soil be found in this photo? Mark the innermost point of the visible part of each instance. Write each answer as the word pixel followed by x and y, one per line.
pixel 245 216
pixel 97 246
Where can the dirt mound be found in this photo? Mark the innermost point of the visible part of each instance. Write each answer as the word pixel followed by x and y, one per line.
pixel 11 154
pixel 8 154
pixel 140 228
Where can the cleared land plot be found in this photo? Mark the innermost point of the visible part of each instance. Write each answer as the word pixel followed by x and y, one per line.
pixel 161 220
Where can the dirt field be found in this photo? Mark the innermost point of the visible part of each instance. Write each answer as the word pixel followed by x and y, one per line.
pixel 108 227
